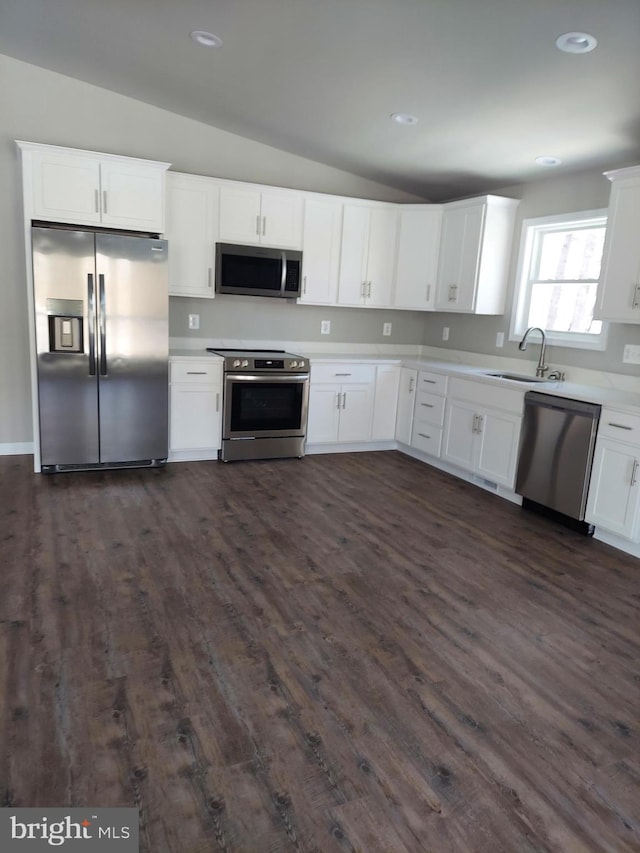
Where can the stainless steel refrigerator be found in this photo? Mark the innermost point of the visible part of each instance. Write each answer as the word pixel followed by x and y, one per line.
pixel 102 337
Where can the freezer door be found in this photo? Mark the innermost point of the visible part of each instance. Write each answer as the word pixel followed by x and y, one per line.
pixel 64 292
pixel 132 347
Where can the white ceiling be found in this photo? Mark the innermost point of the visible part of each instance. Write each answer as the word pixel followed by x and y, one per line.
pixel 320 78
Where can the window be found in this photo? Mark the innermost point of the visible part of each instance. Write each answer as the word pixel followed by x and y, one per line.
pixel 558 275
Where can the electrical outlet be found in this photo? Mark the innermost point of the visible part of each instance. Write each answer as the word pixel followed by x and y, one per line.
pixel 194 321
pixel 386 328
pixel 500 339
pixel 445 333
pixel 631 354
pixel 325 327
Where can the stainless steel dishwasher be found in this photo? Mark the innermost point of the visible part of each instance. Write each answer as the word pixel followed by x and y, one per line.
pixel 556 454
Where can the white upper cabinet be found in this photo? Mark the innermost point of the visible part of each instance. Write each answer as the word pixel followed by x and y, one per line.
pixel 249 214
pixel 417 257
pixel 90 188
pixel 321 251
pixel 475 251
pixel 619 290
pixel 367 254
pixel 192 231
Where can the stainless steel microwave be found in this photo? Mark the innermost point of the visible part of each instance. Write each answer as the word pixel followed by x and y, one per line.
pixel 257 271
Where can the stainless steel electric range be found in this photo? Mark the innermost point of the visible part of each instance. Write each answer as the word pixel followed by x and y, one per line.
pixel 265 403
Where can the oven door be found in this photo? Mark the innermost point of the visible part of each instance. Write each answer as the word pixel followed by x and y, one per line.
pixel 265 406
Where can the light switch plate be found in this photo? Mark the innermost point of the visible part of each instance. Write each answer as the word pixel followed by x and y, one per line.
pixel 631 354
pixel 445 333
pixel 386 328
pixel 194 321
pixel 499 339
pixel 325 327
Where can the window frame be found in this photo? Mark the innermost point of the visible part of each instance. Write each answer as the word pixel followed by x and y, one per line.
pixel 522 291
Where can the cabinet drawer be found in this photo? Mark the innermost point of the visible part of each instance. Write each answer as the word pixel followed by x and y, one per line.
pixel 196 371
pixel 343 374
pixel 619 425
pixel 435 383
pixel 427 438
pixel 429 408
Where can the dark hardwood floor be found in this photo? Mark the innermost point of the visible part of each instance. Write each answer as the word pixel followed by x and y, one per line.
pixel 341 653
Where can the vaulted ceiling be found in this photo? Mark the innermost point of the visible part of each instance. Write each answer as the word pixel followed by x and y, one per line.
pixel 321 78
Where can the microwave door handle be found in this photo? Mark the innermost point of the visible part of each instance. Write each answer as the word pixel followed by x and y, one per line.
pixel 283 279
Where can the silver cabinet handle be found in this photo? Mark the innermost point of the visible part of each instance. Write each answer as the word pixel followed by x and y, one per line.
pixel 634 473
pixel 634 298
pixel 217 401
pixel 474 426
pixel 96 200
pixel 411 385
pixel 338 396
pixel 363 287
pixel 453 292
pixel 423 435
pixel 428 293
pixel 264 225
pixel 104 201
pixel 430 381
pixel 210 278
pixel 619 426
pixel 342 374
pixel 344 400
pixel 369 289
pixel 427 405
pixel 304 284
pixel 196 372
pixel 258 225
pixel 480 423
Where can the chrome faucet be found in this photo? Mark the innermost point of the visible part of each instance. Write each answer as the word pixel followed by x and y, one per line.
pixel 542 368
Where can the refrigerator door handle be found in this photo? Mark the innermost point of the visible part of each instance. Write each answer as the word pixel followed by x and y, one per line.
pixel 102 326
pixel 91 305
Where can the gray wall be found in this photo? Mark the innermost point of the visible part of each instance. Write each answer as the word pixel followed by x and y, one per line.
pixel 581 191
pixel 40 106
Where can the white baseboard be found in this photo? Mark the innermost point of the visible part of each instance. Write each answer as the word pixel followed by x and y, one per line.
pixel 350 447
pixel 18 448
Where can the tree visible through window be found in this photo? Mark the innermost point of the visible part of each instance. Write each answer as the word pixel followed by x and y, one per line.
pixel 560 271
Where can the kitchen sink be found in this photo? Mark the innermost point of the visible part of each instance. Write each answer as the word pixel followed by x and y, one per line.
pixel 516 377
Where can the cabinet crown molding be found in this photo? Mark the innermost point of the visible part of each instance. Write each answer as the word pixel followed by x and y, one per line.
pixel 80 152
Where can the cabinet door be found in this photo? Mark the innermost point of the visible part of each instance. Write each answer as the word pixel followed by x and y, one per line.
pixel 195 422
pixel 614 493
pixel 353 255
pixel 406 402
pixel 383 225
pixel 356 412
pixel 619 292
pixel 192 206
pixel 321 252
pixel 281 220
pixel 458 444
pixel 417 258
pixel 324 414
pixel 132 195
pixel 66 188
pixel 459 257
pixel 496 438
pixel 240 220
pixel 386 402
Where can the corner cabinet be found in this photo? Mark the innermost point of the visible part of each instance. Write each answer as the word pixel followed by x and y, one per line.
pixel 91 188
pixel 613 503
pixel 195 408
pixel 406 403
pixel 475 251
pixel 367 255
pixel 192 231
pixel 417 257
pixel 619 290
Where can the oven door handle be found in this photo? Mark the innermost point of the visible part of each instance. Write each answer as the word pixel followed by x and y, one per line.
pixel 267 377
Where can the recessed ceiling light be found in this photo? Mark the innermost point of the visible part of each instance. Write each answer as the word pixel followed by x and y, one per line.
pixel 548 160
pixel 403 118
pixel 205 38
pixel 576 42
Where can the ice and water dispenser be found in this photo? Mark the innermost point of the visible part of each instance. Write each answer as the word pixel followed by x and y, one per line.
pixel 66 323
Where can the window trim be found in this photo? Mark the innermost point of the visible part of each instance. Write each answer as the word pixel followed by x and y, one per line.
pixel 521 296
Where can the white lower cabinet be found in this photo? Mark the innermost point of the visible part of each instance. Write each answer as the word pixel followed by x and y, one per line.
pixel 385 405
pixel 428 416
pixel 482 430
pixel 341 399
pixel 613 503
pixel 195 409
pixel 406 402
